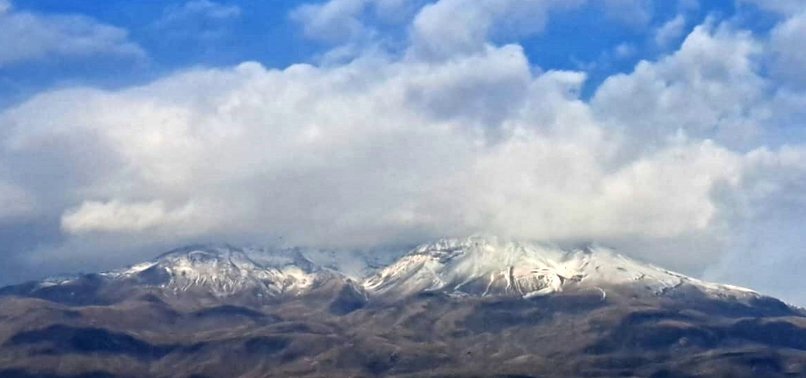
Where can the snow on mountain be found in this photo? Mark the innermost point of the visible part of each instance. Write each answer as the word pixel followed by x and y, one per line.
pixel 226 270
pixel 486 266
pixel 474 266
pixel 355 264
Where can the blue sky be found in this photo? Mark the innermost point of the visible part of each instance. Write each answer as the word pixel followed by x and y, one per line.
pixel 175 36
pixel 672 131
pixel 172 38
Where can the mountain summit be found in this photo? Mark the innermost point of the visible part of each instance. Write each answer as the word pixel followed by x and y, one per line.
pixel 473 266
pixel 472 306
pixel 489 267
pixel 225 270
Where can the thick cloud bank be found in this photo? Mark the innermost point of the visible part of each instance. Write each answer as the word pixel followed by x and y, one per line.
pixel 678 161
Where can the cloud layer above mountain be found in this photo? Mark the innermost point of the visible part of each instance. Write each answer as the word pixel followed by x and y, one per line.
pixel 694 159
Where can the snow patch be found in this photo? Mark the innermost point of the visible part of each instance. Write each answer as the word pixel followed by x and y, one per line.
pixel 486 266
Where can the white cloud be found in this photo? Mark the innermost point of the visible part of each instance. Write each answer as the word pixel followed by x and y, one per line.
pixel 709 88
pixel 444 28
pixel 396 11
pixel 201 20
pixel 381 150
pixel 353 23
pixel 624 50
pixel 332 21
pixel 117 216
pixel 194 10
pixel 664 161
pixel 209 9
pixel 30 36
pixel 492 85
pixel 450 27
pixel 636 13
pixel 789 55
pixel 765 246
pixel 670 31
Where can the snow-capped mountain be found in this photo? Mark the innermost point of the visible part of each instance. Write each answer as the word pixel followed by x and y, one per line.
pixel 474 266
pixel 490 267
pixel 455 307
pixel 226 270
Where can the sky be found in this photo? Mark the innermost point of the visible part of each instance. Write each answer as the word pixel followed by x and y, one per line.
pixel 673 131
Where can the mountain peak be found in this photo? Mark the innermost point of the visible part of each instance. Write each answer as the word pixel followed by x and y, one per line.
pixel 431 306
pixel 223 270
pixel 472 266
pixel 484 265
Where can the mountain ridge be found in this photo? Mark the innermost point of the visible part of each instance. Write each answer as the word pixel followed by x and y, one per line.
pixel 475 265
pixel 453 307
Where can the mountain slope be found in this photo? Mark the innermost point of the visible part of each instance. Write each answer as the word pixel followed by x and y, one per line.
pixel 209 274
pixel 223 271
pixel 482 266
pixel 454 307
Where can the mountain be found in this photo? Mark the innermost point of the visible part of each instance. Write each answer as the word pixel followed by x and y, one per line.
pixel 454 307
pixel 487 267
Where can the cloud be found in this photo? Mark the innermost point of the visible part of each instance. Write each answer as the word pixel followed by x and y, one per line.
pixel 670 31
pixel 196 10
pixel 382 150
pixel 354 22
pixel 789 57
pixel 636 13
pixel 449 27
pixel 205 8
pixel 332 21
pixel 765 247
pixel 14 202
pixel 461 135
pixel 709 88
pixel 445 28
pixel 196 20
pixel 30 36
pixel 624 50
pixel 116 216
